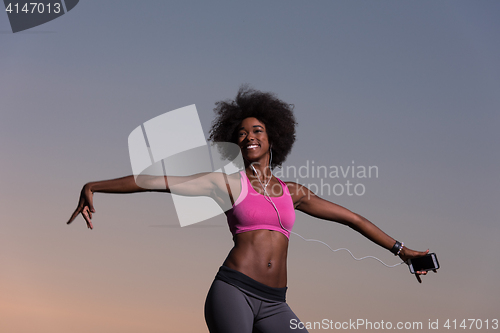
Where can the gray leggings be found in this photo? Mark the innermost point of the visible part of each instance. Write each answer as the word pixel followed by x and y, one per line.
pixel 230 309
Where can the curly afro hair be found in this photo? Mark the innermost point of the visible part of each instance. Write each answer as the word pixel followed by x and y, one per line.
pixel 276 115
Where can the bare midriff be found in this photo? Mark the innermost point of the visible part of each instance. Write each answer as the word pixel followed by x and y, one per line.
pixel 261 255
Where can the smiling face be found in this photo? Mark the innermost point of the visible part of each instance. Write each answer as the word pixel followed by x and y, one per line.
pixel 253 140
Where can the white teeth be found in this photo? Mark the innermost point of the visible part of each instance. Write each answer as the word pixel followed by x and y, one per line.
pixel 252 146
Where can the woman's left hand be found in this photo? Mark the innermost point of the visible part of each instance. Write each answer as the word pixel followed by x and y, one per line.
pixel 406 254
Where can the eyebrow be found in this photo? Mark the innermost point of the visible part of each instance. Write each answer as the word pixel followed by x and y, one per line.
pixel 252 126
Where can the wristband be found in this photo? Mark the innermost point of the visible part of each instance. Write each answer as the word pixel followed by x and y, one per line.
pixel 401 248
pixel 396 249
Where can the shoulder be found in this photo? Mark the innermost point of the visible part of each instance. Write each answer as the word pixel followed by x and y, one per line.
pixel 298 192
pixel 221 179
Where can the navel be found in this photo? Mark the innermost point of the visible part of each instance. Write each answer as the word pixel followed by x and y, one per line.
pixel 269 264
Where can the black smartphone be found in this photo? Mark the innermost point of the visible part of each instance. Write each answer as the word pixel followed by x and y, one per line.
pixel 428 262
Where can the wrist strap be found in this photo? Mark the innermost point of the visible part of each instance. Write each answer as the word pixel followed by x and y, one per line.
pixel 397 247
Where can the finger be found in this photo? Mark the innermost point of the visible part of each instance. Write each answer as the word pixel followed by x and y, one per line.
pixel 424 253
pixel 89 221
pixel 89 224
pixel 77 211
pixel 85 215
pixel 91 204
pixel 89 213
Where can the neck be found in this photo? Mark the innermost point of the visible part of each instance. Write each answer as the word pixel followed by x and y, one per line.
pixel 259 170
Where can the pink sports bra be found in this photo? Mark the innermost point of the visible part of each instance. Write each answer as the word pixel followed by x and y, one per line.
pixel 251 211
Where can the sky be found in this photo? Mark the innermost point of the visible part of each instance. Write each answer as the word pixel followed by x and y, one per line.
pixel 408 88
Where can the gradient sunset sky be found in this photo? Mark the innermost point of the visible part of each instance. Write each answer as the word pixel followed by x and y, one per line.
pixel 409 87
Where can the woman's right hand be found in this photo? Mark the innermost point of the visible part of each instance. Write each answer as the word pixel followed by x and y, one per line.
pixel 406 254
pixel 85 206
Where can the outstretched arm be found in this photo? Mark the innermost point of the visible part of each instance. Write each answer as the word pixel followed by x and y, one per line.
pixel 204 184
pixel 309 203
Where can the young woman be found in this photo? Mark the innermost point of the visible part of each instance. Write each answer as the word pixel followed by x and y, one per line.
pixel 248 293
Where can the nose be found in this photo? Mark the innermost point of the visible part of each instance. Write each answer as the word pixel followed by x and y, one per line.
pixel 250 136
pixel 247 138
